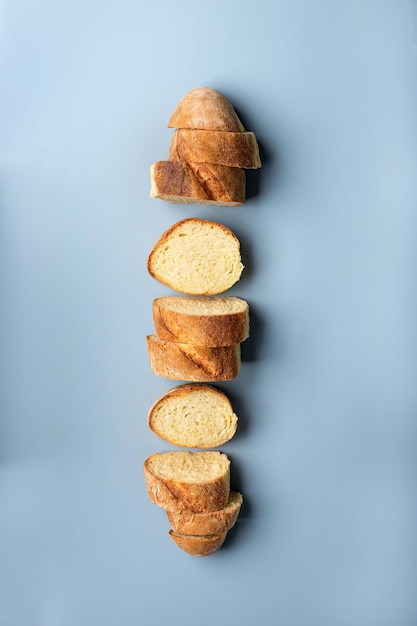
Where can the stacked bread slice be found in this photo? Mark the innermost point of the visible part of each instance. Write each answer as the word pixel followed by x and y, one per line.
pixel 197 336
pixel 208 155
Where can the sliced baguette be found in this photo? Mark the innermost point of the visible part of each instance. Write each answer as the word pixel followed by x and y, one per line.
pixel 198 545
pixel 180 361
pixel 196 257
pixel 205 108
pixel 197 481
pixel 212 523
pixel 213 146
pixel 193 416
pixel 198 183
pixel 201 320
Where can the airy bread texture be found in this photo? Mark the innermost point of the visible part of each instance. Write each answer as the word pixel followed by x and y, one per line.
pixel 212 146
pixel 197 481
pixel 198 183
pixel 201 320
pixel 193 416
pixel 196 257
pixel 212 523
pixel 205 108
pixel 180 361
pixel 198 545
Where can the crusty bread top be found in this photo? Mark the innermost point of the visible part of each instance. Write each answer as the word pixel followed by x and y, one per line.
pixel 205 108
pixel 201 320
pixel 193 416
pixel 196 257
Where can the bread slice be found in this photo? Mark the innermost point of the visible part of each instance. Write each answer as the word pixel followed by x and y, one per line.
pixel 205 108
pixel 212 523
pixel 198 545
pixel 213 146
pixel 198 481
pixel 198 183
pixel 201 320
pixel 180 361
pixel 196 257
pixel 193 416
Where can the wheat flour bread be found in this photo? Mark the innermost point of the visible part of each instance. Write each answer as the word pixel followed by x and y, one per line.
pixel 205 108
pixel 193 416
pixel 198 545
pixel 201 320
pixel 212 523
pixel 181 361
pixel 196 257
pixel 198 183
pixel 239 150
pixel 196 481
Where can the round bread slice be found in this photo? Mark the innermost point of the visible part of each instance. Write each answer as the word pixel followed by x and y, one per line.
pixel 201 320
pixel 182 361
pixel 198 481
pixel 196 257
pixel 193 416
pixel 213 523
pixel 198 545
pixel 205 108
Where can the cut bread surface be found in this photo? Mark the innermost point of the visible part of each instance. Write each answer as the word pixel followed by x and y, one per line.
pixel 193 416
pixel 198 481
pixel 201 320
pixel 197 257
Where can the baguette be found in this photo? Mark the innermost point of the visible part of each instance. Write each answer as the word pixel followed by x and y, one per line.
pixel 213 523
pixel 196 257
pixel 238 150
pixel 193 416
pixel 199 183
pixel 196 481
pixel 198 545
pixel 180 361
pixel 205 108
pixel 201 320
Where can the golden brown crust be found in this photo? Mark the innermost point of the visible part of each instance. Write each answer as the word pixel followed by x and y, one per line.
pixel 214 330
pixel 179 361
pixel 210 146
pixel 212 523
pixel 198 183
pixel 205 108
pixel 177 495
pixel 198 545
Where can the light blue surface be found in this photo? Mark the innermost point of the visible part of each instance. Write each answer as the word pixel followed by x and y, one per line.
pixel 326 450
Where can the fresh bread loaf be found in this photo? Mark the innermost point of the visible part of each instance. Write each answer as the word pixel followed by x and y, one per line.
pixel 197 481
pixel 212 523
pixel 198 545
pixel 181 361
pixel 205 108
pixel 193 416
pixel 197 257
pixel 238 150
pixel 201 320
pixel 199 183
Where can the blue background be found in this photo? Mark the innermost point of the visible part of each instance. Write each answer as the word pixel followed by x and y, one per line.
pixel 326 452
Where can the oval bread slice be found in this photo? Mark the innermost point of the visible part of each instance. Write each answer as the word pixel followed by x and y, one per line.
pixel 182 361
pixel 213 523
pixel 201 320
pixel 205 108
pixel 198 481
pixel 198 545
pixel 196 257
pixel 193 416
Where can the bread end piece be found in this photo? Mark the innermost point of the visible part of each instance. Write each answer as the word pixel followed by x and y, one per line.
pixel 198 545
